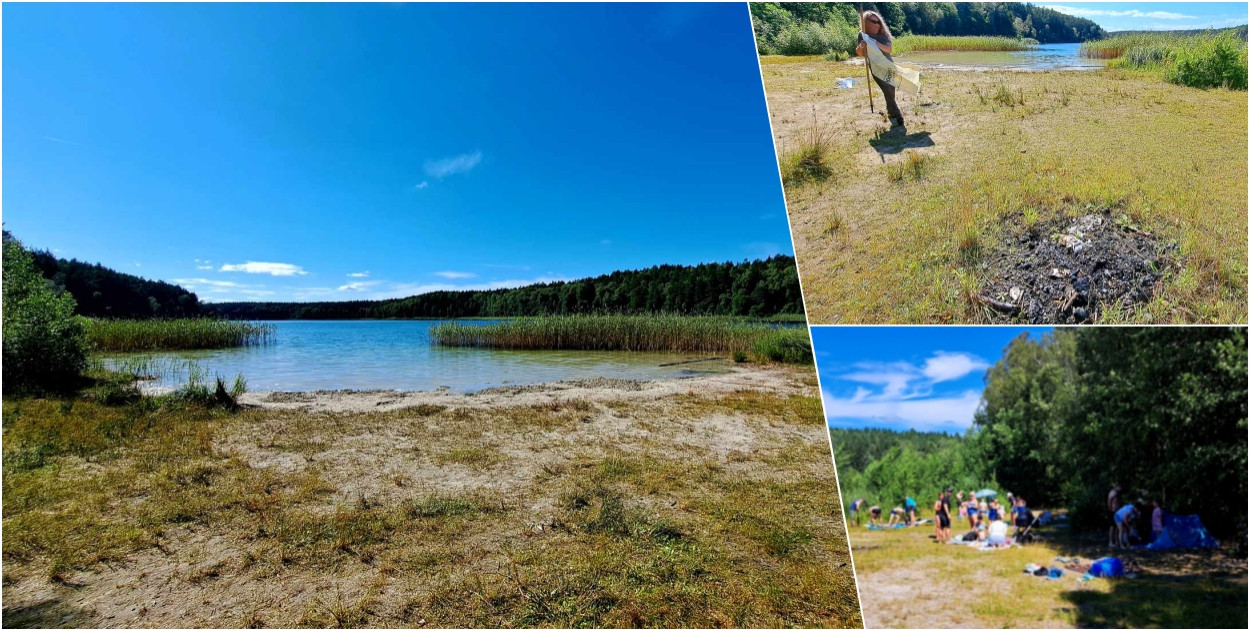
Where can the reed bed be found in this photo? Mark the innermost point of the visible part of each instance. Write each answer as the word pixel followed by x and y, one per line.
pixel 1206 60
pixel 922 43
pixel 129 335
pixel 664 333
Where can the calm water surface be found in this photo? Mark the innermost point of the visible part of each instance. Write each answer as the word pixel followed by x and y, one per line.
pixel 314 355
pixel 1044 57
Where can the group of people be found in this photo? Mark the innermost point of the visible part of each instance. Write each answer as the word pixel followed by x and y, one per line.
pixel 1125 517
pixel 986 517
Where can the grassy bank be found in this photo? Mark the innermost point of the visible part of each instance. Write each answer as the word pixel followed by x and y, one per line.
pixel 663 333
pixel 701 510
pixel 1208 60
pixel 897 227
pixel 1175 589
pixel 130 335
pixel 920 43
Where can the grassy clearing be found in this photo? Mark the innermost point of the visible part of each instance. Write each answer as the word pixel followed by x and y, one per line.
pixel 130 335
pixel 922 43
pixel 1003 149
pixel 1178 589
pixel 661 333
pixel 183 515
pixel 1208 60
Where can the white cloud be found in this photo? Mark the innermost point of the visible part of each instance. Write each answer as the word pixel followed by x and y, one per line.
pixel 273 269
pixel 358 286
pixel 204 267
pixel 455 275
pixel 950 366
pixel 421 186
pixel 191 283
pixel 1134 13
pixel 902 394
pixel 445 167
pixel 941 413
pixel 358 274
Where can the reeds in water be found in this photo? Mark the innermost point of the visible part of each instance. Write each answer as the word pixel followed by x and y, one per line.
pixel 921 43
pixel 1205 60
pixel 128 335
pixel 662 333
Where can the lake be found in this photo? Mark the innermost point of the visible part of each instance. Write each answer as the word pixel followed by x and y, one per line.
pixel 1044 57
pixel 316 355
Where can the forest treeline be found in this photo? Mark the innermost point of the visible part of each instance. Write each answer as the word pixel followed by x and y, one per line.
pixel 806 28
pixel 102 292
pixel 1066 416
pixel 759 288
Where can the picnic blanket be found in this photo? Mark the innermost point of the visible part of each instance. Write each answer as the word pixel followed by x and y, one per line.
pixel 887 527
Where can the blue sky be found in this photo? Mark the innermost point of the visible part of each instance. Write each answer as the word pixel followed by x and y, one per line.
pixel 900 378
pixel 325 152
pixel 1167 16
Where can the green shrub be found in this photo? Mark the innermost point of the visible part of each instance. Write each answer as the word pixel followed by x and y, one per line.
pixel 1210 63
pixel 814 39
pixel 44 344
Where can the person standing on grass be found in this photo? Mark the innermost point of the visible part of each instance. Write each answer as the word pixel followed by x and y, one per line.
pixel 909 505
pixel 874 26
pixel 857 507
pixel 1113 505
pixel 1156 521
pixel 942 511
pixel 1124 518
pixel 963 509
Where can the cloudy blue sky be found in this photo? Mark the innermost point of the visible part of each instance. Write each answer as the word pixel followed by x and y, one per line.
pixel 1138 16
pixel 350 151
pixel 927 378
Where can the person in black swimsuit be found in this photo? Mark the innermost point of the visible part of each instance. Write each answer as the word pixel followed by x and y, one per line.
pixel 943 512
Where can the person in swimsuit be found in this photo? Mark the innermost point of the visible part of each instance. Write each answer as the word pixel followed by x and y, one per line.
pixel 963 509
pixel 971 508
pixel 897 515
pixel 874 516
pixel 943 512
pixel 992 514
pixel 874 26
pixel 1113 505
pixel 857 509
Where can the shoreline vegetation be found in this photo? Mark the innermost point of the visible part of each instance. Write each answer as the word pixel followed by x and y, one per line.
pixel 130 335
pixel 634 334
pixel 926 43
pixel 1210 59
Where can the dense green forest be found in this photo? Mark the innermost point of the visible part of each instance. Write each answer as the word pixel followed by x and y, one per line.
pixel 102 292
pixel 1065 417
pixel 810 28
pixel 760 288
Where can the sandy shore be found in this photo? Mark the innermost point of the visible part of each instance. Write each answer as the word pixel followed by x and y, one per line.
pixel 703 501
pixel 599 390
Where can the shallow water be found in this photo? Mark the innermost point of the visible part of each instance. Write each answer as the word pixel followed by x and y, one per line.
pixel 315 355
pixel 1044 57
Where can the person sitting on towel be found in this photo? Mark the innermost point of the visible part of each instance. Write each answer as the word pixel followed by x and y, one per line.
pixel 874 27
pixel 998 533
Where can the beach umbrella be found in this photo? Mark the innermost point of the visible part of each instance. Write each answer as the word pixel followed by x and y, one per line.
pixel 986 494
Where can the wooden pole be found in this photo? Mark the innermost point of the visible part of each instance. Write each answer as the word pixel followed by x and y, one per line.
pixel 867 71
